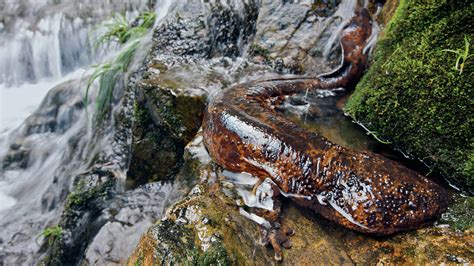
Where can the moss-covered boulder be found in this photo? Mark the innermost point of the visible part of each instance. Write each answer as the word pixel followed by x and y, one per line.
pixel 166 118
pixel 79 223
pixel 412 94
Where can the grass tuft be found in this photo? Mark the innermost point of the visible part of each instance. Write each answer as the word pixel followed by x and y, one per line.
pixel 108 73
pixel 52 234
pixel 120 31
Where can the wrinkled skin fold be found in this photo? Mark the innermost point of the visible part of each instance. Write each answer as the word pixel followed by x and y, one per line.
pixel 361 191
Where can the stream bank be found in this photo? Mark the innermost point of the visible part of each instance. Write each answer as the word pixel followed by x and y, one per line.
pixel 413 97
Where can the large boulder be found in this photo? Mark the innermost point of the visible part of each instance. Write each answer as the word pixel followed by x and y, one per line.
pixel 413 96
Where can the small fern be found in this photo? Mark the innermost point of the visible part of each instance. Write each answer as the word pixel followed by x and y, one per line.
pixel 462 55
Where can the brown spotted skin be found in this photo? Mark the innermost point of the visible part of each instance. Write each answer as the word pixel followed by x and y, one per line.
pixel 361 191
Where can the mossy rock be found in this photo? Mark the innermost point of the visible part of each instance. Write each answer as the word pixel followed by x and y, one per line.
pixel 166 119
pixel 412 96
pixel 78 221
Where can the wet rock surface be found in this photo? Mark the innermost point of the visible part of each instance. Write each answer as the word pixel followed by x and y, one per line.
pixel 127 216
pixel 165 121
pixel 307 28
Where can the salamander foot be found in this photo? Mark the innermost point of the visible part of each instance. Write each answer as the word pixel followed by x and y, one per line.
pixel 277 237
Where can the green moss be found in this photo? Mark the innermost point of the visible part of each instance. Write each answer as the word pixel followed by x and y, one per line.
pixel 83 193
pixel 256 50
pixel 140 114
pixel 411 94
pixel 214 256
pixel 459 216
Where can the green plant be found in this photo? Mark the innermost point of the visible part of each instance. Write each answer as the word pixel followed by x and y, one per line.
pixel 107 73
pixel 52 234
pixel 120 31
pixel 146 19
pixel 462 55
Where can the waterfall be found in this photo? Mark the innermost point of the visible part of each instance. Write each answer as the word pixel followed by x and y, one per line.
pixel 45 136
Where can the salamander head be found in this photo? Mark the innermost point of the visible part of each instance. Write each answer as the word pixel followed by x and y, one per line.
pixel 356 33
pixel 354 39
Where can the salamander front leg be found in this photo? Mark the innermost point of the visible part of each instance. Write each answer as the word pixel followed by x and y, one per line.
pixel 272 232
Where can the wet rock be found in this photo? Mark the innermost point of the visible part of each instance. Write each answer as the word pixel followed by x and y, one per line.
pixel 208 29
pixel 17 157
pixel 128 216
pixel 79 219
pixel 294 36
pixel 82 216
pixel 57 112
pixel 168 109
pixel 166 118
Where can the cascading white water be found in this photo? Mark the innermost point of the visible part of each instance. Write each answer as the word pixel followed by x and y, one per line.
pixel 44 39
pixel 44 46
pixel 42 42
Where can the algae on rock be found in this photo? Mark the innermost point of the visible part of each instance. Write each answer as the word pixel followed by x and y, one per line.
pixel 413 97
pixel 165 121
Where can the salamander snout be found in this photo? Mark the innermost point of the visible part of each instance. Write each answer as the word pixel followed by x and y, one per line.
pixel 357 30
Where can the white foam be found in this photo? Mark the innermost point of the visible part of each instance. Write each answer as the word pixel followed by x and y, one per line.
pixel 240 178
pixel 6 201
pixel 17 103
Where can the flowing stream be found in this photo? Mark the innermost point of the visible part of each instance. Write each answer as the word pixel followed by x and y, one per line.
pixel 45 135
